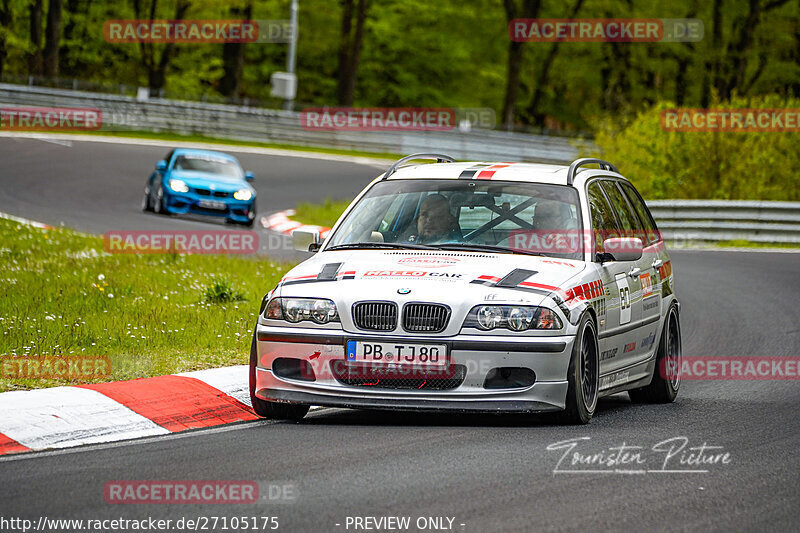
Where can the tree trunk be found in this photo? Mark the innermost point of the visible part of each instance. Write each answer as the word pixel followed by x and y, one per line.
pixel 233 57
pixel 35 20
pixel 530 9
pixel 542 78
pixel 157 70
pixel 713 69
pixel 5 23
pixel 350 44
pixel 52 37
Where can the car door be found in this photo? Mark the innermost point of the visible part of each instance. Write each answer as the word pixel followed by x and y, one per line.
pixel 614 328
pixel 626 278
pixel 653 258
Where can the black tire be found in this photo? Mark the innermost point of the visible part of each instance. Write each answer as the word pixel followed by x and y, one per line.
pixel 666 379
pixel 583 375
pixel 147 206
pixel 159 203
pixel 267 409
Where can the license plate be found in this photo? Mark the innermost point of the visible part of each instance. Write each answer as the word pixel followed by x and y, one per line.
pixel 398 353
pixel 211 204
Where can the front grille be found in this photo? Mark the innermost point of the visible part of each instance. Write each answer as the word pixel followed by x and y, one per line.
pixel 221 194
pixel 425 318
pixel 203 192
pixel 375 316
pixel 361 375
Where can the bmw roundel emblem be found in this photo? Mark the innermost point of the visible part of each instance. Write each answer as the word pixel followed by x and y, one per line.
pixel 403 291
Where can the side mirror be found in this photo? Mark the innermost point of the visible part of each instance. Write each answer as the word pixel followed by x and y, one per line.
pixel 161 166
pixel 622 249
pixel 306 240
pixel 249 176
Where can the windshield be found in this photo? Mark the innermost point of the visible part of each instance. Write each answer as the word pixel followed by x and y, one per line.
pixel 213 165
pixel 453 214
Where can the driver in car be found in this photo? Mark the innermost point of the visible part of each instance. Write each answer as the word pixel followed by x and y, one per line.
pixel 435 223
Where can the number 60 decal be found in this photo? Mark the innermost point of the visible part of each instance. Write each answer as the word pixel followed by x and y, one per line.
pixel 624 299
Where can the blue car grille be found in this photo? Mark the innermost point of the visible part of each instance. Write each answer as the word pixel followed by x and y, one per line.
pixel 216 194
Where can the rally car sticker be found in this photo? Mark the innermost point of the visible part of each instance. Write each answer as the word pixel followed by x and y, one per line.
pixel 428 262
pixel 482 171
pixel 609 354
pixel 416 274
pixel 624 298
pixel 647 284
pixel 314 278
pixel 648 341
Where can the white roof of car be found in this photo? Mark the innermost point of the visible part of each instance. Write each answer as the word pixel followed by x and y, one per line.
pixel 527 172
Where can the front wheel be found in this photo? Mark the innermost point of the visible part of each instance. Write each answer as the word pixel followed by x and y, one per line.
pixel 267 409
pixel 146 204
pixel 160 202
pixel 583 375
pixel 666 375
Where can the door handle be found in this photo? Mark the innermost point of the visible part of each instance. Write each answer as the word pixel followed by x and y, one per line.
pixel 658 263
pixel 634 272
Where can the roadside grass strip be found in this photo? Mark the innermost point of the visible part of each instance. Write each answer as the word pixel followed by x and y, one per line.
pixel 63 296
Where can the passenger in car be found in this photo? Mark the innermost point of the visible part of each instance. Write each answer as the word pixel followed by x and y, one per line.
pixel 553 215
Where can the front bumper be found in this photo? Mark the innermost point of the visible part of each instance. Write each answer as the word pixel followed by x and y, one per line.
pixel 547 357
pixel 229 208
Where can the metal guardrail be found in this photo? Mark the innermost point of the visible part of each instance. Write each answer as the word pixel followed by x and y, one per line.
pixel 284 127
pixel 678 220
pixel 727 220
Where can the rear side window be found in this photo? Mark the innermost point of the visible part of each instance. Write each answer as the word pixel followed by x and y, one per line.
pixel 641 210
pixel 628 220
pixel 604 224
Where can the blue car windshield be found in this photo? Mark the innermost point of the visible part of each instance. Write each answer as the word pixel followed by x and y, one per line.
pixel 212 165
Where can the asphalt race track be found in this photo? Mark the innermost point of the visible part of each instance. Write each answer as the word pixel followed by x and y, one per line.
pixel 488 473
pixel 98 187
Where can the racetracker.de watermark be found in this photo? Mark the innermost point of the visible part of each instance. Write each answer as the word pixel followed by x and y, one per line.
pixel 198 491
pixel 571 241
pixel 50 118
pixel 181 242
pixel 55 367
pixel 633 30
pixel 396 118
pixel 720 368
pixel 197 31
pixel 732 120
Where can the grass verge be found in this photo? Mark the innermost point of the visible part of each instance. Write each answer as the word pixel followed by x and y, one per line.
pixel 61 294
pixel 741 243
pixel 325 214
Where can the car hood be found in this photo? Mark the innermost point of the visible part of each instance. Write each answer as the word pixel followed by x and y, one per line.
pixel 193 178
pixel 454 278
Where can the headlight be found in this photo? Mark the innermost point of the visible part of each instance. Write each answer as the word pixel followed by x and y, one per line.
pixel 243 194
pixel 296 310
pixel 178 186
pixel 512 317
pixel 490 316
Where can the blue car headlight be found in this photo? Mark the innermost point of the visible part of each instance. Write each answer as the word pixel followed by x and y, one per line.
pixel 243 194
pixel 178 185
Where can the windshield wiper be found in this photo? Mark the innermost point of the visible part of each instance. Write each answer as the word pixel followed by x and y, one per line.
pixel 396 245
pixel 484 248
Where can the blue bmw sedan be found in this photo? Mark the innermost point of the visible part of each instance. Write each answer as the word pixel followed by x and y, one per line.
pixel 201 182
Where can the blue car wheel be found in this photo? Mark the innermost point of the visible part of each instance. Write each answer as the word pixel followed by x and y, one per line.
pixel 160 205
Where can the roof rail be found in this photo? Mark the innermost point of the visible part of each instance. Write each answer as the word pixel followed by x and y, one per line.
pixel 573 168
pixel 440 158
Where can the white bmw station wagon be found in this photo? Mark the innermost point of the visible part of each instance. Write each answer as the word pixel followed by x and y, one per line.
pixel 475 287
